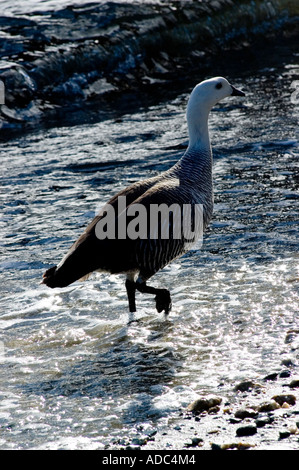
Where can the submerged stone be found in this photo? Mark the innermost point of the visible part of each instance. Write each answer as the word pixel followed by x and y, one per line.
pixel 246 386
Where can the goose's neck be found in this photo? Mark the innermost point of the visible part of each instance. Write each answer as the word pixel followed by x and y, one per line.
pixel 199 138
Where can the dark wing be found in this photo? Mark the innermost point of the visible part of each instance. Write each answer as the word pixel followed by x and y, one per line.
pixel 89 253
pixel 163 238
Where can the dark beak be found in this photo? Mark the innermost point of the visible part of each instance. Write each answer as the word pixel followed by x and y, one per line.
pixel 237 92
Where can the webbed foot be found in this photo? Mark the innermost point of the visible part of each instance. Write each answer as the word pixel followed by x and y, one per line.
pixel 163 301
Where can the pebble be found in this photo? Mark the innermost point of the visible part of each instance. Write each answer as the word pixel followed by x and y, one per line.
pixel 246 386
pixel 139 441
pixel 268 406
pixel 234 420
pixel 271 377
pixel 287 362
pixel 281 399
pixel 132 447
pixel 284 374
pixel 284 434
pixel 294 383
pixel 262 421
pixel 205 404
pixel 293 428
pixel 195 441
pixel 291 335
pixel 232 445
pixel 216 446
pixel 151 433
pixel 244 413
pixel 248 430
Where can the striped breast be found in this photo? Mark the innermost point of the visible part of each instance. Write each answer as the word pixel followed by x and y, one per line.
pixel 186 190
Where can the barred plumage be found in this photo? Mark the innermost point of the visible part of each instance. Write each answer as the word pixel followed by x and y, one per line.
pixel 182 190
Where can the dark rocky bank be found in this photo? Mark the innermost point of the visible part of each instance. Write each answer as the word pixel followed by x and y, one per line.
pixel 72 63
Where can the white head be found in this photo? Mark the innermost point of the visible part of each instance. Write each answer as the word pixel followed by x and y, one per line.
pixel 202 99
pixel 209 92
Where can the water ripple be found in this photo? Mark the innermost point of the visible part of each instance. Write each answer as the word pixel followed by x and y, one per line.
pixel 74 373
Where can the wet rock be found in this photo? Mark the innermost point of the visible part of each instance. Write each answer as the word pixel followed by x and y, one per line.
pixel 281 399
pixel 246 386
pixel 284 434
pixel 215 446
pixel 214 409
pixel 139 441
pixel 151 434
pixel 83 51
pixel 132 447
pixel 232 446
pixel 287 362
pixel 291 335
pixel 271 377
pixel 263 420
pixel 293 428
pixel 268 406
pixel 284 374
pixel 209 404
pixel 195 441
pixel 245 413
pixel 234 420
pixel 294 383
pixel 20 88
pixel 248 430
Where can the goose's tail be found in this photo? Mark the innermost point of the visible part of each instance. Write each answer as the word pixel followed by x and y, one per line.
pixel 90 254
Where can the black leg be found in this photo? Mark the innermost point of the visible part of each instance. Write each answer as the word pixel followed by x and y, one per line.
pixel 163 299
pixel 131 289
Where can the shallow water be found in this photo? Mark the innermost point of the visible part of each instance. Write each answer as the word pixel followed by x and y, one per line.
pixel 73 372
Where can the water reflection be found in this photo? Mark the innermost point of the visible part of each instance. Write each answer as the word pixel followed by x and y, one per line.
pixel 123 369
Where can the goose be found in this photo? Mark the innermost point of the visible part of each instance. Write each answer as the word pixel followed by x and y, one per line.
pixel 107 244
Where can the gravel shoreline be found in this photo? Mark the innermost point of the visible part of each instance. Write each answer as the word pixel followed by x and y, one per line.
pixel 256 415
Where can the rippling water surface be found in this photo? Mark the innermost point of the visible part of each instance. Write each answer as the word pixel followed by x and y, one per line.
pixel 73 372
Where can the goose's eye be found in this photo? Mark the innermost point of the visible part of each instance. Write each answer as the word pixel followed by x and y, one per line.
pixel 218 86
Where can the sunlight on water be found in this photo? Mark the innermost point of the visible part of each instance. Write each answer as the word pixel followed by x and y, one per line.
pixel 74 373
